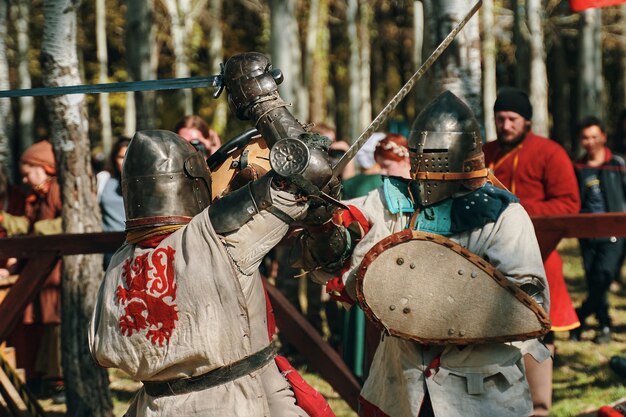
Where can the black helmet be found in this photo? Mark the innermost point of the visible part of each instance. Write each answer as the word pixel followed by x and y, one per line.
pixel 164 180
pixel 445 150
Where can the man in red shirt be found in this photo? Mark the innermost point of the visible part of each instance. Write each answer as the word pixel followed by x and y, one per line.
pixel 539 172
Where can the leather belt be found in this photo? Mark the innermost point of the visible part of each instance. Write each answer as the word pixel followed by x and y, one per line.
pixel 212 378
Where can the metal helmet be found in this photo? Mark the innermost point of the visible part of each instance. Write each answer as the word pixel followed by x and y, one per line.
pixel 445 150
pixel 164 180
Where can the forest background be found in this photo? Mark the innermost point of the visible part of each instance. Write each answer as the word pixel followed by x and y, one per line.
pixel 342 61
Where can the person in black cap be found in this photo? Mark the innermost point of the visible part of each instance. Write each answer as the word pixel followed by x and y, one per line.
pixel 540 173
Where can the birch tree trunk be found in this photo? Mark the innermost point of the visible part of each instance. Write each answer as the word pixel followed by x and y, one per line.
pixel 182 17
pixel 315 59
pixel 6 117
pixel 520 40
pixel 287 55
pixel 358 96
pixel 103 63
pixel 140 36
pixel 26 104
pixel 623 59
pixel 489 68
pixel 87 386
pixel 216 55
pixel 365 67
pixel 590 65
pixel 538 74
pixel 458 69
pixel 420 92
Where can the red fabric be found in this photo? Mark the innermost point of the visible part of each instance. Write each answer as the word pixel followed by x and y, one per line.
pixel 580 5
pixel 335 287
pixel 607 411
pixel 544 177
pixel 46 308
pixel 369 410
pixel 562 313
pixel 269 312
pixel 546 185
pixel 307 397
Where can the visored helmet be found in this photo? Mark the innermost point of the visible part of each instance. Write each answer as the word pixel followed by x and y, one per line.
pixel 164 180
pixel 445 150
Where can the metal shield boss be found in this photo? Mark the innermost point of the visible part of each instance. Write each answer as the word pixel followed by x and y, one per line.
pixel 427 288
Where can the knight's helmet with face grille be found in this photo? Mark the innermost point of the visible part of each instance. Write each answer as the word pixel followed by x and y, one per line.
pixel 164 180
pixel 446 151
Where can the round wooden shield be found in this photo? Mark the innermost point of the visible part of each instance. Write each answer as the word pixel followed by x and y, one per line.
pixel 427 288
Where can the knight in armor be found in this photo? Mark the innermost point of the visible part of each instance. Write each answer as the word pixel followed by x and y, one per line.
pixel 448 197
pixel 182 306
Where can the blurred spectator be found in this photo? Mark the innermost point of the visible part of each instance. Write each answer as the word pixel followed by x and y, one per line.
pixel 619 144
pixel 197 132
pixel 602 182
pixel 539 172
pixel 392 155
pixel 369 177
pixel 337 148
pixel 110 197
pixel 37 340
pixel 12 203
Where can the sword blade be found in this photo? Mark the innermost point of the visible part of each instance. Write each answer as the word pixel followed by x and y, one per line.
pixel 391 106
pixel 145 85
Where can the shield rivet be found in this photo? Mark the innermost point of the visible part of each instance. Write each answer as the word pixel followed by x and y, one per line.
pixel 450 331
pixel 412 266
pixel 460 272
pixel 462 333
pixel 406 310
pixel 474 274
pixel 392 307
pixel 400 261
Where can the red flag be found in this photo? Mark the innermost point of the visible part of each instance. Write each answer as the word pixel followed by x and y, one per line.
pixel 580 5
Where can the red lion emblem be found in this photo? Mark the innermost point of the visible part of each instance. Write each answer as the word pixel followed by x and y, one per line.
pixel 148 294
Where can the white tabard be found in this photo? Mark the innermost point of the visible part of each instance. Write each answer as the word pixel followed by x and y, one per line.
pixel 191 305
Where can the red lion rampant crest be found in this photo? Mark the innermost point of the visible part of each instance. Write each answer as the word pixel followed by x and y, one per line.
pixel 148 295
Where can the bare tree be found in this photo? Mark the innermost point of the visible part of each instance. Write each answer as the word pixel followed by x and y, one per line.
pixel 103 60
pixel 459 67
pixel 623 60
pixel 26 104
pixel 6 116
pixel 182 17
pixel 359 68
pixel 489 68
pixel 418 49
pixel 520 40
pixel 140 37
pixel 87 386
pixel 538 73
pixel 287 55
pixel 216 57
pixel 589 98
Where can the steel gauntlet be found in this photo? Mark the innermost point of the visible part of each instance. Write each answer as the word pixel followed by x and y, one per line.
pixel 252 87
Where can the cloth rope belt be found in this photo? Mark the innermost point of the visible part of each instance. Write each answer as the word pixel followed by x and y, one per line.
pixel 212 378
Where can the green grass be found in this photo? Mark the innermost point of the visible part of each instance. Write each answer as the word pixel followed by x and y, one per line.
pixel 582 381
